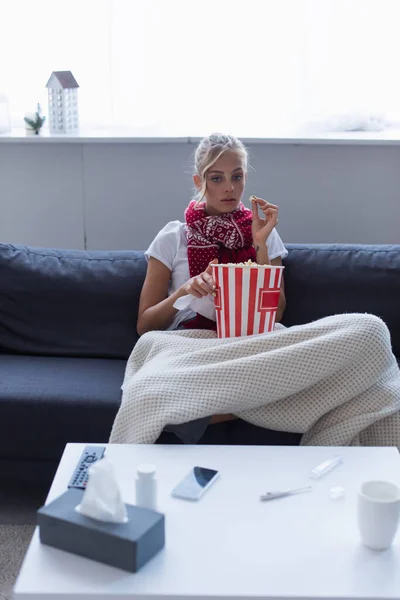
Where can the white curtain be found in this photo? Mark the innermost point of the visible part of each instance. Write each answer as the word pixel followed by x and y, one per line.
pixel 188 67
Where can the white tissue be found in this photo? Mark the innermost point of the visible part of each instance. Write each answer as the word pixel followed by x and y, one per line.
pixel 204 306
pixel 102 497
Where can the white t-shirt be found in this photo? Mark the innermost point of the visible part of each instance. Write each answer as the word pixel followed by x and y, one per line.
pixel 170 247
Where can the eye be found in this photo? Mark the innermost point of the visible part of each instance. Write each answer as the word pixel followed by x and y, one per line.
pixel 215 179
pixel 238 177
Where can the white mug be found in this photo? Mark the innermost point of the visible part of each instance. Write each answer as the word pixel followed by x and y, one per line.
pixel 378 513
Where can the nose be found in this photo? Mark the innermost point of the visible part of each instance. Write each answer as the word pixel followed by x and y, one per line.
pixel 229 186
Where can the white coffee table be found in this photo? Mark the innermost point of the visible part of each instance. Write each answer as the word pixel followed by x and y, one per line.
pixel 229 544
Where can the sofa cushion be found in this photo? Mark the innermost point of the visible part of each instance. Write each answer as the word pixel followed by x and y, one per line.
pixel 69 302
pixel 324 279
pixel 46 402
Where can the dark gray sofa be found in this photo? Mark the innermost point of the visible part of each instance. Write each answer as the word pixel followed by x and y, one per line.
pixel 68 325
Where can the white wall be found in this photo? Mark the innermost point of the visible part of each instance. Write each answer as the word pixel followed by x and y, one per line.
pixel 41 195
pixel 121 194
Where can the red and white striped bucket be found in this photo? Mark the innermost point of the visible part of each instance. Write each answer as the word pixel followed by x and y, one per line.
pixel 246 298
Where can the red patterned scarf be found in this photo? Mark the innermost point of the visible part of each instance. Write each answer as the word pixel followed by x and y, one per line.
pixel 227 237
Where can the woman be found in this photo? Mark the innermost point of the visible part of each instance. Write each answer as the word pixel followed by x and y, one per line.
pixel 179 258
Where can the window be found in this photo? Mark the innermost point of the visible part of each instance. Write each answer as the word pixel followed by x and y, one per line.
pixel 181 67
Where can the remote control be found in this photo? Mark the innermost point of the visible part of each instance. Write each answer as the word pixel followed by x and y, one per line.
pixel 90 455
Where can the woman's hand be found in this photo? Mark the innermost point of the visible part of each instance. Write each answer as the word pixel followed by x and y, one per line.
pixel 262 227
pixel 201 285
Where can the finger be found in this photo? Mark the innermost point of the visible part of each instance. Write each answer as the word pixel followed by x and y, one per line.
pixel 197 291
pixel 190 290
pixel 270 212
pixel 201 286
pixel 264 203
pixel 209 268
pixel 207 283
pixel 209 280
pixel 270 221
pixel 254 208
pixel 259 201
pixel 208 275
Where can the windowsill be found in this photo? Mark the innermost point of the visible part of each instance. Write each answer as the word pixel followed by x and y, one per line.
pixel 84 136
pixel 125 135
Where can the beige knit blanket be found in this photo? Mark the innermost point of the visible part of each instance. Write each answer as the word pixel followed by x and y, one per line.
pixel 335 380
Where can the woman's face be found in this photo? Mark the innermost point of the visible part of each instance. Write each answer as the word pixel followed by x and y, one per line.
pixel 225 184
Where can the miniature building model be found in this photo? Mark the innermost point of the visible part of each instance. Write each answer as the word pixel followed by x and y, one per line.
pixel 63 102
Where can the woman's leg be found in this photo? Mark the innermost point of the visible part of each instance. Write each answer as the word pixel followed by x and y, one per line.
pixel 241 433
pixel 333 380
pixel 167 437
pixel 237 433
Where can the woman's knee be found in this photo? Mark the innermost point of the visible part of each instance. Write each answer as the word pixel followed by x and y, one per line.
pixel 375 331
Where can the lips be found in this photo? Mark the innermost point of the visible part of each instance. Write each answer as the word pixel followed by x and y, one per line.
pixel 228 200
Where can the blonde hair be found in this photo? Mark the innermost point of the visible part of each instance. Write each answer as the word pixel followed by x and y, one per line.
pixel 209 151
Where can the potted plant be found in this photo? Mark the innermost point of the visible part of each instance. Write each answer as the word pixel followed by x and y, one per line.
pixel 34 122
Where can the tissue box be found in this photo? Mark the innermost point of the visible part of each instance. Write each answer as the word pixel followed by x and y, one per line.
pixel 127 546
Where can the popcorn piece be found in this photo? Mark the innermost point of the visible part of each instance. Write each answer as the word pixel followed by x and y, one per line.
pixel 336 493
pixel 248 263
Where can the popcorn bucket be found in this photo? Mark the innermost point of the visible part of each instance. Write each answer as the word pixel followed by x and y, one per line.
pixel 246 298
